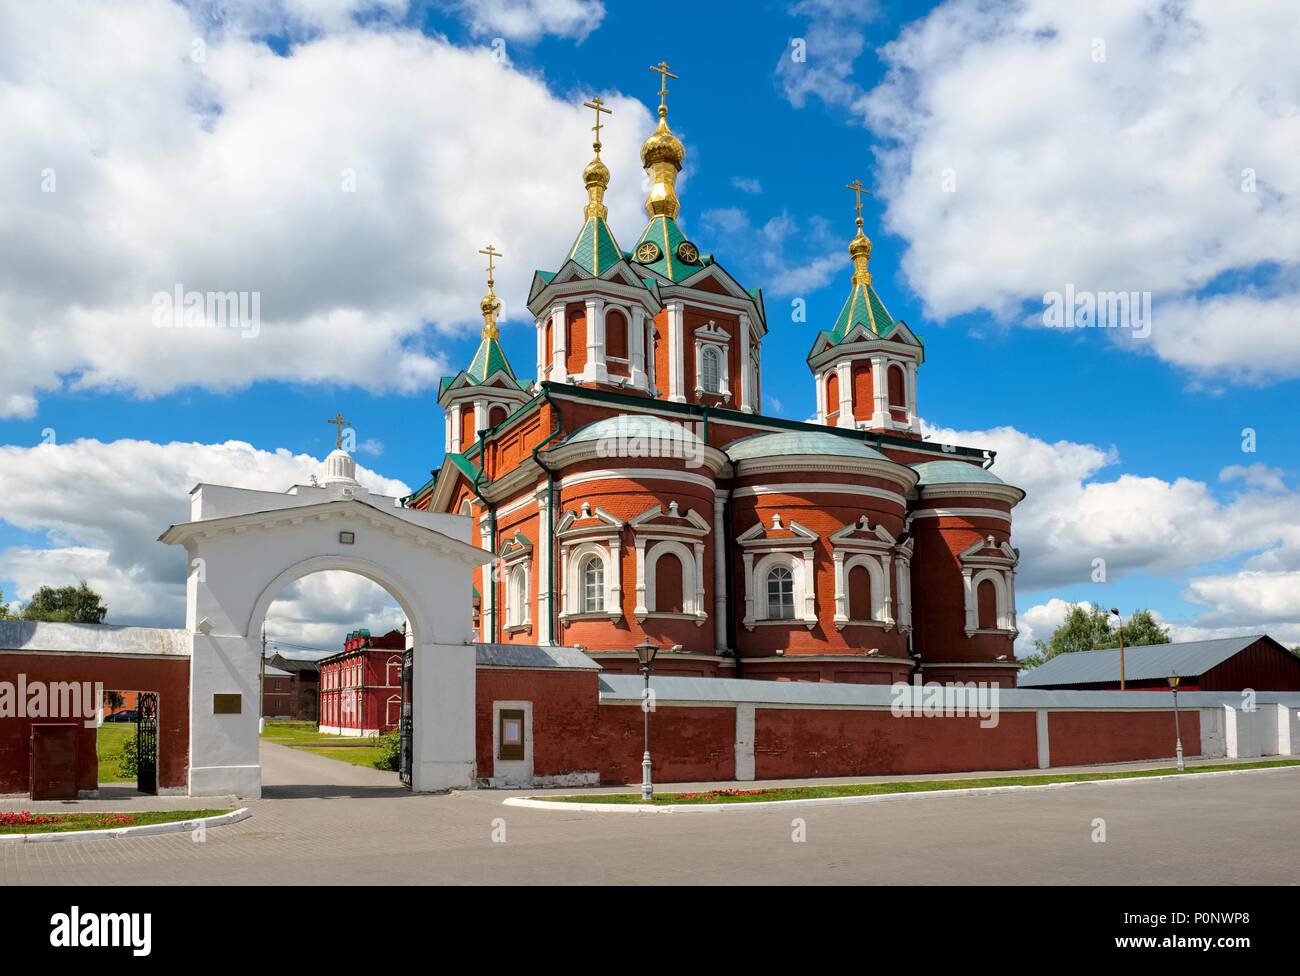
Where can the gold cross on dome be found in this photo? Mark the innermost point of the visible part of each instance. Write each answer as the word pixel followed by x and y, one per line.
pixel 598 106
pixel 491 253
pixel 664 75
pixel 858 189
pixel 338 421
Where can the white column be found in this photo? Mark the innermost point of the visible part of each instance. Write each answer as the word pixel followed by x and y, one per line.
pixel 888 564
pixel 841 589
pixel 636 349
pixel 912 410
pixel 541 349
pixel 845 418
pixel 1044 747
pixel 699 579
pixel 544 559
pixel 880 392
pixel 640 610
pixel 224 748
pixel 746 384
pixel 444 699
pixel 972 612
pixel 676 354
pixel 594 370
pixel 480 418
pixel 559 349
pixel 487 632
pixel 720 557
pixel 819 380
pixel 651 380
pixel 453 436
pixel 447 415
pixel 749 587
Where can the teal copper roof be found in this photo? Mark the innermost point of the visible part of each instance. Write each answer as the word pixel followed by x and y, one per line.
pixel 664 233
pixel 864 308
pixel 954 473
pixel 595 249
pixel 628 427
pixel 800 442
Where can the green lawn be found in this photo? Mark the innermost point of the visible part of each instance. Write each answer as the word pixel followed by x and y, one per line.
pixel 304 735
pixel 911 786
pixel 111 736
pixel 57 823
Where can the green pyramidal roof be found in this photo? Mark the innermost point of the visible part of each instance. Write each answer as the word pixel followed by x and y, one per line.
pixel 489 358
pixel 864 308
pixel 666 236
pixel 595 250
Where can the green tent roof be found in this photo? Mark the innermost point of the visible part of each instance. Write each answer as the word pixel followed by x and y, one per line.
pixel 665 233
pixel 864 308
pixel 488 360
pixel 595 250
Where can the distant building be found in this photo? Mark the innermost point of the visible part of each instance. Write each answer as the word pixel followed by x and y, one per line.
pixel 361 687
pixel 302 668
pixel 1230 664
pixel 277 693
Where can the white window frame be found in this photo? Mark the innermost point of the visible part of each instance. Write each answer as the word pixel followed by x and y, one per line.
pixel 687 541
pixel 795 552
pixel 988 560
pixel 711 336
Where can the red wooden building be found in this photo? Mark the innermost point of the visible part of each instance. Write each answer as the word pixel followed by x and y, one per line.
pixel 361 687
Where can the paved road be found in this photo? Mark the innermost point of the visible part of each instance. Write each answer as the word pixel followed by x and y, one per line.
pixel 323 821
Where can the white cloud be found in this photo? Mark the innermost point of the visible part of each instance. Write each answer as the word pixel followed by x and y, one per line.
pixel 1255 475
pixel 318 610
pixel 1128 173
pixel 819 61
pixel 102 507
pixel 528 20
pixel 232 174
pixel 760 252
pixel 746 184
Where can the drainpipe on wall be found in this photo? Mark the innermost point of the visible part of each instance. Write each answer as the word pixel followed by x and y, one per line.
pixel 549 528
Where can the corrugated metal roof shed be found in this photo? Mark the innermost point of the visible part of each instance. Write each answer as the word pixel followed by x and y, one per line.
pixel 1187 659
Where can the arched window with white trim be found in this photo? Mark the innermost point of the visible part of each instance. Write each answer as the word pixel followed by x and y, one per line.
pixel 517 596
pixel 592 579
pixel 780 593
pixel 711 369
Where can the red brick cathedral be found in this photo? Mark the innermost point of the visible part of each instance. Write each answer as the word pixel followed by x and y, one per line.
pixel 637 490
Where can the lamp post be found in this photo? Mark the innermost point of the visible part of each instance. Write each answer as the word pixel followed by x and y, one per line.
pixel 645 653
pixel 1115 611
pixel 1178 738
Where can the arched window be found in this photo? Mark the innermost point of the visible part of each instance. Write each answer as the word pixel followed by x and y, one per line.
pixel 986 595
pixel 615 335
pixel 863 395
pixel 860 593
pixel 897 398
pixel 832 393
pixel 780 594
pixel 517 597
pixel 668 584
pixel 711 369
pixel 593 585
pixel 394 670
pixel 497 414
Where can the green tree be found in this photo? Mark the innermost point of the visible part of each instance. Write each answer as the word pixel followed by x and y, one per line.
pixel 1087 627
pixel 66 604
pixel 4 608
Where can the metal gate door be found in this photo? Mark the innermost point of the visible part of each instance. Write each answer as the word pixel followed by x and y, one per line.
pixel 146 743
pixel 406 724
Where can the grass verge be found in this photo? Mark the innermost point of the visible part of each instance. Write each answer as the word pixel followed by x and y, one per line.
pixel 58 823
pixel 111 737
pixel 305 735
pixel 909 786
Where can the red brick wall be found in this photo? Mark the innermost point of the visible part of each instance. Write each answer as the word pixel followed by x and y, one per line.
pixel 686 744
pixel 840 742
pixel 1080 738
pixel 169 677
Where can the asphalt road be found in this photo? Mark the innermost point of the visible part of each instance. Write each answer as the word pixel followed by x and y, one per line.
pixel 323 822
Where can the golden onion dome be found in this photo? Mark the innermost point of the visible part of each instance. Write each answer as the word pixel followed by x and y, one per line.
pixel 662 146
pixel 596 174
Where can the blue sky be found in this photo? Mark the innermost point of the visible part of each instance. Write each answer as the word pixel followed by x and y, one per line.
pixel 1017 102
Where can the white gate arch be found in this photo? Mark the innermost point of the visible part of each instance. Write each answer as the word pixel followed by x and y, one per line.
pixel 244 547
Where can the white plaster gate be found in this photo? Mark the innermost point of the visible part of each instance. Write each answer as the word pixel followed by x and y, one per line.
pixel 246 546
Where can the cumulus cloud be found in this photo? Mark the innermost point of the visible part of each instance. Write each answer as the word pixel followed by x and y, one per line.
pixel 760 252
pixel 101 507
pixel 1153 151
pixel 318 610
pixel 528 20
pixel 324 182
pixel 1255 476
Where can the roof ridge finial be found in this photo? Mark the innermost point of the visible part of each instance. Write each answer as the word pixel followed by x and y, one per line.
pixel 596 176
pixel 860 246
pixel 490 304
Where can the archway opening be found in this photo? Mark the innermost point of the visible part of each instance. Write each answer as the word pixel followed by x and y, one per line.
pixel 332 699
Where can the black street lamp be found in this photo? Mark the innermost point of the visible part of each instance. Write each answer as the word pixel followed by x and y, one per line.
pixel 1178 738
pixel 645 653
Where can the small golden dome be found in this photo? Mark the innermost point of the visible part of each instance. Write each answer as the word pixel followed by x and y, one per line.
pixel 596 174
pixel 662 146
pixel 860 251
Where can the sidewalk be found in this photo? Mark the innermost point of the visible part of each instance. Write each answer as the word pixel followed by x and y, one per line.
pixel 901 778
